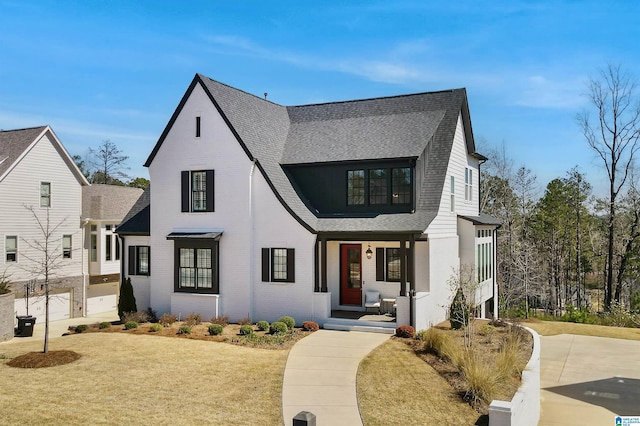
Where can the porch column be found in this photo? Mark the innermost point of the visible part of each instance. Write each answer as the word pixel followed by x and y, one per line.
pixel 403 267
pixel 411 262
pixel 323 265
pixel 316 267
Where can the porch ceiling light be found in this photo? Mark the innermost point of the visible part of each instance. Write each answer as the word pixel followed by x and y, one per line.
pixel 369 253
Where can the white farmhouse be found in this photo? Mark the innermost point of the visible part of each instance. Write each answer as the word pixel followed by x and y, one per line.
pixel 261 210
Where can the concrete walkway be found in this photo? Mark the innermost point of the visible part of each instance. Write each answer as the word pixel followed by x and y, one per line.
pixel 320 376
pixel 58 328
pixel 587 380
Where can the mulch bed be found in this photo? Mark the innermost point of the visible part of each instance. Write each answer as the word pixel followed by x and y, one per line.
pixel 41 359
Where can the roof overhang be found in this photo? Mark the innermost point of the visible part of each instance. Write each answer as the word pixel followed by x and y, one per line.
pixel 202 235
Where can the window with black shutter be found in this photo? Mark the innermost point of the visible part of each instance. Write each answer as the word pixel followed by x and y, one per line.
pixel 278 265
pixel 197 191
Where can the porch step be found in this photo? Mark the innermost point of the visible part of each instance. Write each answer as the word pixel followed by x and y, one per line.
pixel 369 327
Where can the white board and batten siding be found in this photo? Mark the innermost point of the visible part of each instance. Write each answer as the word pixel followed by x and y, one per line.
pixel 248 223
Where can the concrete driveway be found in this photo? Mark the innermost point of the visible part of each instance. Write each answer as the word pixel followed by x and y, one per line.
pixel 588 380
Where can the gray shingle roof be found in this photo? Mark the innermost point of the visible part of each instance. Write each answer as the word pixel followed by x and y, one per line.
pixel 137 221
pixel 407 126
pixel 13 143
pixel 108 202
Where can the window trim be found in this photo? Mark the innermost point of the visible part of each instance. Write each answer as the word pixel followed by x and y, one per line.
pixel 67 249
pixel 382 264
pixel 186 189
pixel 392 190
pixel 268 265
pixel 46 196
pixel 134 260
pixel 351 190
pixel 468 184
pixel 195 244
pixel 15 250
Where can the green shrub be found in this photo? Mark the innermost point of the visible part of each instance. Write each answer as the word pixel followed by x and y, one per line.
pixel 193 319
pixel 245 321
pixel 458 311
pixel 215 329
pixel 310 326
pixel 223 320
pixel 104 325
pixel 80 328
pixel 246 329
pixel 184 329
pixel 278 327
pixel 127 301
pixel 405 331
pixel 263 325
pixel 289 321
pixel 155 327
pixel 167 319
pixel 130 325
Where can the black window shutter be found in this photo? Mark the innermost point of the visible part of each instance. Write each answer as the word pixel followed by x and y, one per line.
pixel 185 190
pixel 132 260
pixel 379 264
pixel 210 192
pixel 291 265
pixel 149 260
pixel 265 264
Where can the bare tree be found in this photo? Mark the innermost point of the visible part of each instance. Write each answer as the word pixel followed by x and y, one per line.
pixel 108 164
pixel 614 137
pixel 45 258
pixel 465 287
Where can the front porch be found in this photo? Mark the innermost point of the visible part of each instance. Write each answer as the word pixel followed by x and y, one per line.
pixel 361 321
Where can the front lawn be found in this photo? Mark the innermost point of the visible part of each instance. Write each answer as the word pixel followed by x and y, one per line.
pixel 132 379
pixel 551 328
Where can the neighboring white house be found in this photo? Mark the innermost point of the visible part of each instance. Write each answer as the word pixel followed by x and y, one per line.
pixel 103 208
pixel 37 172
pixel 261 210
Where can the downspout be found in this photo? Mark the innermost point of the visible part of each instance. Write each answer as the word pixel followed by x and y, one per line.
pixel 251 244
pixel 84 275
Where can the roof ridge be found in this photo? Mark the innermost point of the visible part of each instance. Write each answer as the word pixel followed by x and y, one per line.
pixel 202 77
pixel 378 98
pixel 23 129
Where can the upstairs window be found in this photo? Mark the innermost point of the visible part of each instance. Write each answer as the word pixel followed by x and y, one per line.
pixel 378 187
pixel 66 246
pixel 197 191
pixel 11 248
pixel 401 185
pixel 45 194
pixel 468 184
pixel 355 187
pixel 278 265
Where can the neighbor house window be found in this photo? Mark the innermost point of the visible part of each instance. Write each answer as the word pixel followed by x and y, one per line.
pixel 378 187
pixel 197 191
pixel 468 184
pixel 196 266
pixel 453 194
pixel 278 265
pixel 197 127
pixel 66 246
pixel 108 246
pixel 355 187
pixel 401 185
pixel 45 194
pixel 111 244
pixel 484 254
pixel 11 248
pixel 139 260
pixel 94 244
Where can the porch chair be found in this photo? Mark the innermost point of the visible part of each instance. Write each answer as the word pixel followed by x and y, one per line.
pixel 372 300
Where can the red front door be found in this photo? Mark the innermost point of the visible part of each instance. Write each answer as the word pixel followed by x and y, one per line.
pixel 351 274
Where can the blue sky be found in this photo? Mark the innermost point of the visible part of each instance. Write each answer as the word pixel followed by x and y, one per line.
pixel 97 70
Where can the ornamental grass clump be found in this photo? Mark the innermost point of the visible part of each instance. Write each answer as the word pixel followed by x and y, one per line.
pixel 167 319
pixel 482 383
pixel 215 329
pixel 223 320
pixel 245 321
pixel 193 319
pixel 262 325
pixel 289 321
pixel 278 327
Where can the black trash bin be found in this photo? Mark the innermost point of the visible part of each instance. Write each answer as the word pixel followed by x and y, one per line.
pixel 25 325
